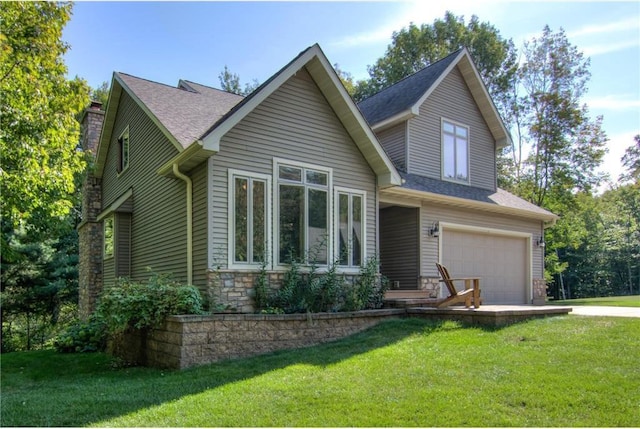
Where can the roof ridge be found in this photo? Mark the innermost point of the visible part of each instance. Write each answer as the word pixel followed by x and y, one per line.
pixel 210 87
pixel 454 53
pixel 149 80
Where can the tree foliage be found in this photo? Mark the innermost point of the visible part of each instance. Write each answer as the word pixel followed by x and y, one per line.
pixel 38 127
pixel 230 82
pixel 631 161
pixel 557 146
pixel 415 47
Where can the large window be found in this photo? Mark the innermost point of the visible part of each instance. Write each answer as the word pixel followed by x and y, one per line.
pixel 350 217
pixel 109 237
pixel 455 152
pixel 123 150
pixel 303 213
pixel 248 207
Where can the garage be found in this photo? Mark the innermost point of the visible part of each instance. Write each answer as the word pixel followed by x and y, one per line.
pixel 500 260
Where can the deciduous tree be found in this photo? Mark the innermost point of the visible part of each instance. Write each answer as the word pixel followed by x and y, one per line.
pixel 38 109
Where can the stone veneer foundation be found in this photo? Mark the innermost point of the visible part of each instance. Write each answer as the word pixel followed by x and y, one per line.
pixel 235 289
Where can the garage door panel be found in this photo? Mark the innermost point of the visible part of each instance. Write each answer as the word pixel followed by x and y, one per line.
pixel 500 262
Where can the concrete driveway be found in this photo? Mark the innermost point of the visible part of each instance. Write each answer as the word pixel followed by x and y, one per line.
pixel 595 310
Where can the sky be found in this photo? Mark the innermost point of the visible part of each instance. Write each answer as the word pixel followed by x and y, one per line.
pixel 168 41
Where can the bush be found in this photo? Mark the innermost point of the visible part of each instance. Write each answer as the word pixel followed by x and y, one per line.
pixel 129 304
pixel 82 337
pixel 321 292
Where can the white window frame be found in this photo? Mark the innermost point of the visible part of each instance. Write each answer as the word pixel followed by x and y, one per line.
pixel 112 219
pixel 442 160
pixel 122 167
pixel 277 163
pixel 232 175
pixel 336 198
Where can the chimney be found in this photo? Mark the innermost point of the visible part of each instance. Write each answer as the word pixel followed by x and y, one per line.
pixel 90 230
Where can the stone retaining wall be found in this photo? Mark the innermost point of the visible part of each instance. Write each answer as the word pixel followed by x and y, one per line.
pixel 185 341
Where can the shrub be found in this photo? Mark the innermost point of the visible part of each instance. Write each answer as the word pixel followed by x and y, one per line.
pixel 82 337
pixel 129 304
pixel 368 290
pixel 321 292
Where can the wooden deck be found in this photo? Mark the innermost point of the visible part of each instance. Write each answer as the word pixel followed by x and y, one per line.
pixel 417 304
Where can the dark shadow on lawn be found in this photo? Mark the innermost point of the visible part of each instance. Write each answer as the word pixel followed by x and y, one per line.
pixel 146 387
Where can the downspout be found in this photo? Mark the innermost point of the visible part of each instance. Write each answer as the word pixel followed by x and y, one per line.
pixel 187 180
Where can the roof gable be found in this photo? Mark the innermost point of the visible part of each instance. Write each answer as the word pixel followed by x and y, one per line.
pixel 402 101
pixel 325 77
pixel 182 113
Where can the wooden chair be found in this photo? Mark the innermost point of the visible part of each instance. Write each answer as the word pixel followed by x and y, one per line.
pixel 470 294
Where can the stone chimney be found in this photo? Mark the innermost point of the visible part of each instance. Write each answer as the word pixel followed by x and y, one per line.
pixel 90 230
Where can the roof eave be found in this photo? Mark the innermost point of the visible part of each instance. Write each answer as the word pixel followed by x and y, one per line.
pixel 470 204
pixel 187 159
pixel 395 120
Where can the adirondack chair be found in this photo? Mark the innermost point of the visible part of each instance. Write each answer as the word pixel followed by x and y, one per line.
pixel 470 294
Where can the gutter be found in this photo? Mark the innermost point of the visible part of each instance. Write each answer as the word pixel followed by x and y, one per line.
pixel 187 180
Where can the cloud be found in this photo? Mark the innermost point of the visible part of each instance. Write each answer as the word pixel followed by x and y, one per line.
pixel 606 48
pixel 612 162
pixel 613 102
pixel 613 27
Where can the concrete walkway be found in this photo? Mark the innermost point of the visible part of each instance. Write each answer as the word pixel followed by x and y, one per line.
pixel 594 310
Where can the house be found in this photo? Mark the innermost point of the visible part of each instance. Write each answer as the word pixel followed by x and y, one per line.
pixel 205 184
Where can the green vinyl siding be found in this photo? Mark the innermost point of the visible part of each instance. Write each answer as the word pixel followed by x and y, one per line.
pixel 451 101
pixel 158 221
pixel 200 210
pixel 294 123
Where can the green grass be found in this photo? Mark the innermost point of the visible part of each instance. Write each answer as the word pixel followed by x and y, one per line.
pixel 612 301
pixel 562 371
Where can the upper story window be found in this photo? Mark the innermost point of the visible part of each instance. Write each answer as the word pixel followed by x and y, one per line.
pixel 109 238
pixel 455 151
pixel 303 203
pixel 249 198
pixel 123 150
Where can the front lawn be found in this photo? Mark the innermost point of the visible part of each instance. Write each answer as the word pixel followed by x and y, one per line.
pixel 562 371
pixel 612 301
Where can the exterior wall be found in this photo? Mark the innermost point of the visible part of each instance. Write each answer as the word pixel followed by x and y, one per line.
pixel 451 100
pixel 431 213
pixel 123 244
pixel 399 246
pixel 185 341
pixel 158 222
pixel 200 188
pixel 394 142
pixel 294 123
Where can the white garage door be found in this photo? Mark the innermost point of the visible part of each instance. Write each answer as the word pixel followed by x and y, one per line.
pixel 500 261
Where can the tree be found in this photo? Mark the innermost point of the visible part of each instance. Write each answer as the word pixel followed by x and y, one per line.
pixel 631 161
pixel 414 48
pixel 230 82
pixel 101 94
pixel 346 78
pixel 38 109
pixel 565 145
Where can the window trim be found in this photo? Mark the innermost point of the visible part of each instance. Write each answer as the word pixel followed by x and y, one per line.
pixel 336 195
pixel 112 220
pixel 232 174
pixel 277 162
pixel 467 181
pixel 121 150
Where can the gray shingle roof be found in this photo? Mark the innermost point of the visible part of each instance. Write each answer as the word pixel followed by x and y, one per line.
pixel 499 198
pixel 402 95
pixel 186 114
